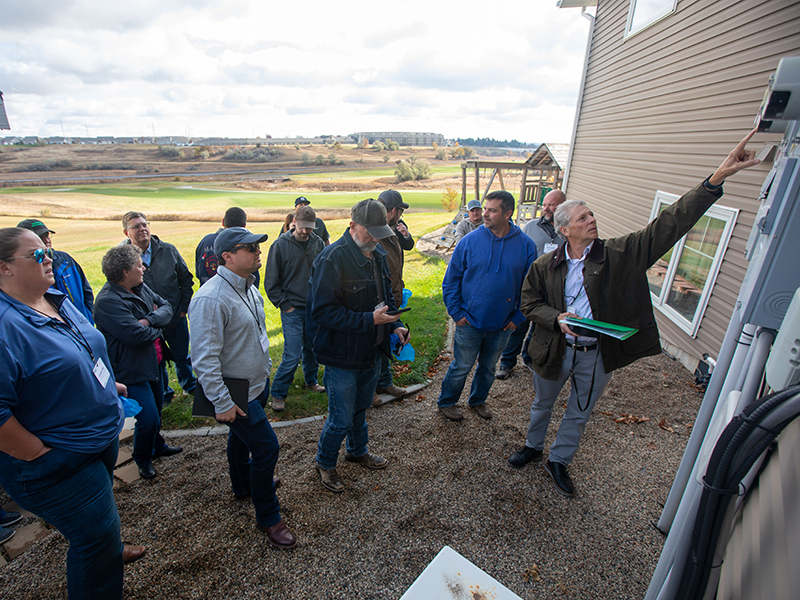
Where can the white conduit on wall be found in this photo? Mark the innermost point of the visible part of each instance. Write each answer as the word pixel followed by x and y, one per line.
pixel 667 577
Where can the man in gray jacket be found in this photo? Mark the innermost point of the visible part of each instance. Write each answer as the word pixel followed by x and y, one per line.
pixel 229 340
pixel 286 284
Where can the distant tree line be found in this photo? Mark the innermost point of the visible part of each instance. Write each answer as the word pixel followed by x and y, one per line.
pixel 493 143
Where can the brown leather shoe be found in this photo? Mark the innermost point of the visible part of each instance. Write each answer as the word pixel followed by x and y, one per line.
pixel 371 461
pixel 376 401
pixel 393 390
pixel 278 404
pixel 451 412
pixel 484 412
pixel 316 388
pixel 279 535
pixel 330 479
pixel 132 553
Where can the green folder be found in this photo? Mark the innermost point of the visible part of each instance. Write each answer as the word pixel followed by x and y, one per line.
pixel 615 331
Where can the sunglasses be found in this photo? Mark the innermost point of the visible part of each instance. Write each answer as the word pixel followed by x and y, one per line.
pixel 252 248
pixel 38 255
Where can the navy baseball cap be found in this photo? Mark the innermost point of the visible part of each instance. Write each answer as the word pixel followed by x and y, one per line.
pixel 229 238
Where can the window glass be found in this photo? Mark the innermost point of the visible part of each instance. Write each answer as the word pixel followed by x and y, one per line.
pixel 642 13
pixel 681 280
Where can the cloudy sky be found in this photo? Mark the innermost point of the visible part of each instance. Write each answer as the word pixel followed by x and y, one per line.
pixel 244 68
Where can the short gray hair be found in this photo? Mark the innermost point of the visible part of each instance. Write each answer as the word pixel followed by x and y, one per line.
pixel 119 259
pixel 563 214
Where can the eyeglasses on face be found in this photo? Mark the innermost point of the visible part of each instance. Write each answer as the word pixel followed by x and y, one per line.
pixel 252 248
pixel 139 226
pixel 38 255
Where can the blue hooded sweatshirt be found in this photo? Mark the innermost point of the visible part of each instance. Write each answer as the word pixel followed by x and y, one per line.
pixel 483 281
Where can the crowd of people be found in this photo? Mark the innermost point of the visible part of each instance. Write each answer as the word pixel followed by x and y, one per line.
pixel 70 356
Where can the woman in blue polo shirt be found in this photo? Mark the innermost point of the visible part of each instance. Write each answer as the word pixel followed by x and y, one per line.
pixel 60 417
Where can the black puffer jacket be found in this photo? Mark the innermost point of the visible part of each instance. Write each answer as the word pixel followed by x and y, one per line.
pixel 130 344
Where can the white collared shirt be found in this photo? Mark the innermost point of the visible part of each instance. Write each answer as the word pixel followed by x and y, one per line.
pixel 575 292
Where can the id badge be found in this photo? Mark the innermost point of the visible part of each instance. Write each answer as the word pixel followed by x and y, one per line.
pixel 264 342
pixel 548 247
pixel 101 373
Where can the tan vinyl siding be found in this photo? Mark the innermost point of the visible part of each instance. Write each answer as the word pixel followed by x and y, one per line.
pixel 661 109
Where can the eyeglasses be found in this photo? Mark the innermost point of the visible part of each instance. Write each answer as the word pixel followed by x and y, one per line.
pixel 252 248
pixel 139 226
pixel 38 255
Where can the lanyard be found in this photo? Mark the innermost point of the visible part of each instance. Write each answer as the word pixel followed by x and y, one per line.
pixel 253 310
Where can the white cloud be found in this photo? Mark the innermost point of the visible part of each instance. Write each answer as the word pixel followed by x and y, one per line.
pixel 234 68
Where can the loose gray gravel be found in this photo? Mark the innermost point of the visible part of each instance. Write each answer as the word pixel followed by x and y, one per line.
pixel 446 484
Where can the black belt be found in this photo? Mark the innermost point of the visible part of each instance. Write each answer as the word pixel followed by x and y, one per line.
pixel 579 348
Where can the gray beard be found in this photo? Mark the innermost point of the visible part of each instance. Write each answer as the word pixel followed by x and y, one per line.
pixel 368 247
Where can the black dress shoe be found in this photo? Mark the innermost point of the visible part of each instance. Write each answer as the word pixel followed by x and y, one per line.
pixel 560 477
pixel 147 471
pixel 167 451
pixel 523 456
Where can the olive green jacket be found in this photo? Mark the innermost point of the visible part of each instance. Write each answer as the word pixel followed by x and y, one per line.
pixel 615 280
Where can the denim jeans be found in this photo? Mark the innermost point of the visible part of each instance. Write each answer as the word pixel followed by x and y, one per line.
pixel 350 394
pixel 177 339
pixel 72 491
pixel 252 455
pixel 470 344
pixel 385 376
pixel 296 345
pixel 146 436
pixel 517 342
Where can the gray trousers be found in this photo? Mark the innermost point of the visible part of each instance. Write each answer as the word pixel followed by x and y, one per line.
pixel 574 421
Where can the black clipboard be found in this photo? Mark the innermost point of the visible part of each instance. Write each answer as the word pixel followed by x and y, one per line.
pixel 239 390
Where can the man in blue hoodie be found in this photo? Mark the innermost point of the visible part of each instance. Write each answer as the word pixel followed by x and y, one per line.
pixel 481 290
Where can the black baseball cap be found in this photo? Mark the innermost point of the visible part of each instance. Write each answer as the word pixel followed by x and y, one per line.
pixel 392 199
pixel 301 200
pixel 229 238
pixel 36 226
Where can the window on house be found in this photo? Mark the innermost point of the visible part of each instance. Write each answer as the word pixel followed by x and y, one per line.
pixel 643 13
pixel 681 280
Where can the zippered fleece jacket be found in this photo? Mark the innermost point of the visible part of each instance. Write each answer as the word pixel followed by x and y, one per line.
pixel 615 279
pixel 227 317
pixel 289 269
pixel 484 278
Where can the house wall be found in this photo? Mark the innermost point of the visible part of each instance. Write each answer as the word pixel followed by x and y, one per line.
pixel 662 108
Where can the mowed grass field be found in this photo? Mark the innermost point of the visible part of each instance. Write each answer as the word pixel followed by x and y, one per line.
pixel 87 240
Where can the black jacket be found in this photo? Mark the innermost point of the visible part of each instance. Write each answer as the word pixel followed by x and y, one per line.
pixel 169 277
pixel 289 269
pixel 341 298
pixel 130 344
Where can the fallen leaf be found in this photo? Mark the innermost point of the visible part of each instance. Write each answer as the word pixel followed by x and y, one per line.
pixel 663 425
pixel 531 574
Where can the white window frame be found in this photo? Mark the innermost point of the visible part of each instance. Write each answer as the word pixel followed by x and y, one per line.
pixel 723 213
pixel 654 19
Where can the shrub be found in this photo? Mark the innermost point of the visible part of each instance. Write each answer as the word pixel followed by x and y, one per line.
pixel 305 159
pixel 394 146
pixel 404 172
pixel 386 158
pixel 450 198
pixel 379 146
pixel 170 151
pixel 422 170
pixel 434 145
pixel 468 152
pixel 319 160
pixel 441 154
pixel 205 155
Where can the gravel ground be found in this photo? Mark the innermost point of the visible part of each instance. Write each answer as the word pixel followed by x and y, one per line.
pixel 446 484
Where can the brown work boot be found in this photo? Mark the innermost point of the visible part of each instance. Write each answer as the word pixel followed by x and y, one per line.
pixel 393 390
pixel 451 412
pixel 484 412
pixel 278 404
pixel 330 479
pixel 371 461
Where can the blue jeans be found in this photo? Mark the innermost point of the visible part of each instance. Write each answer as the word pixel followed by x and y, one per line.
pixel 72 491
pixel 146 436
pixel 296 345
pixel 177 339
pixel 350 394
pixel 385 376
pixel 252 455
pixel 471 344
pixel 517 342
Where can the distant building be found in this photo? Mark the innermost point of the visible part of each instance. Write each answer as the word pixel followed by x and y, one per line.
pixel 404 138
pixel 3 117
